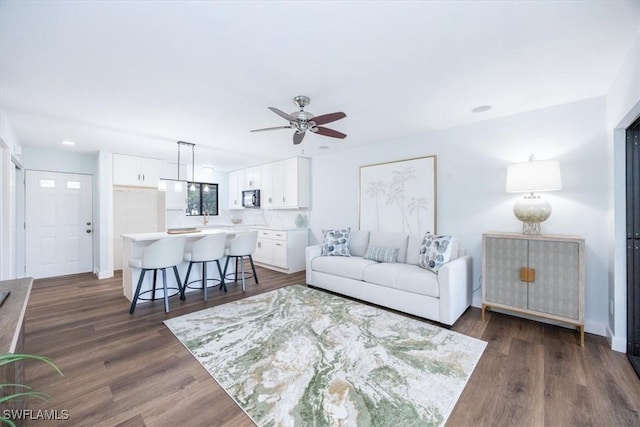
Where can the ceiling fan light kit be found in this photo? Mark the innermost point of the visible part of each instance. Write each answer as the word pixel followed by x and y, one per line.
pixel 302 121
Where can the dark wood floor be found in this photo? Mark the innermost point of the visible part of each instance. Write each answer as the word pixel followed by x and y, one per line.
pixel 129 370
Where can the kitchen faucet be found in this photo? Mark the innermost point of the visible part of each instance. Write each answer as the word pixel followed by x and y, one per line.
pixel 205 220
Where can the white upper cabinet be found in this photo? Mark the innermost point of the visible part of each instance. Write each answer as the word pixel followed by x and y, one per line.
pixel 284 184
pixel 266 185
pixel 296 182
pixel 136 171
pixel 236 182
pixel 252 179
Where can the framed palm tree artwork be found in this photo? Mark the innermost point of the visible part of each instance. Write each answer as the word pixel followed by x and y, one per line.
pixel 399 196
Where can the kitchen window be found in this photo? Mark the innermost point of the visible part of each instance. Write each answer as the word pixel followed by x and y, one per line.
pixel 202 197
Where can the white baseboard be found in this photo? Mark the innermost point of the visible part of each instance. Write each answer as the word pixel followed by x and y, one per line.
pixel 617 342
pixel 104 274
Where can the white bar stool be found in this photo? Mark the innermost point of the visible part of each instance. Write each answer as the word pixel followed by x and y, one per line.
pixel 242 246
pixel 208 249
pixel 160 255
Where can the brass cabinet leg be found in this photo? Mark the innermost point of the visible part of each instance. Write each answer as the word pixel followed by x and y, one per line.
pixel 581 331
pixel 484 306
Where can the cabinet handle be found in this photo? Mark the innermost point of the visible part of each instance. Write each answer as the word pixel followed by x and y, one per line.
pixel 138 177
pixel 527 275
pixel 143 177
pixel 278 244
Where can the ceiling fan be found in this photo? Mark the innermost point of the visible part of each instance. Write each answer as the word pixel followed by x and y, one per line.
pixel 303 121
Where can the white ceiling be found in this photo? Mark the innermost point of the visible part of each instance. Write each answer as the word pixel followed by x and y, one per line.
pixel 136 76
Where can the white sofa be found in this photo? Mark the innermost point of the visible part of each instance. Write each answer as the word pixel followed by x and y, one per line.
pixel 402 286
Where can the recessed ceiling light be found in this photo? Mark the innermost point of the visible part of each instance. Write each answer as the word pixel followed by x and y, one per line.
pixel 324 147
pixel 481 109
pixel 68 143
pixel 208 168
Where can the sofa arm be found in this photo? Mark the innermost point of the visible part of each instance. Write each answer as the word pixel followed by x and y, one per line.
pixel 455 282
pixel 311 252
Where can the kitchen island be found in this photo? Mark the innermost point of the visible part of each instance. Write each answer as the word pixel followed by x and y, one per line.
pixel 133 246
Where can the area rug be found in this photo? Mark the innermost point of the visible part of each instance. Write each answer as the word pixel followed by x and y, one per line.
pixel 298 356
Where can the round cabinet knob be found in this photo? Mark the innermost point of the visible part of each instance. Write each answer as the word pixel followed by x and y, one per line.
pixel 88 231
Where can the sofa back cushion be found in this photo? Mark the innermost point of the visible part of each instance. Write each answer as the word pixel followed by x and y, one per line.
pixel 359 242
pixel 413 249
pixel 386 239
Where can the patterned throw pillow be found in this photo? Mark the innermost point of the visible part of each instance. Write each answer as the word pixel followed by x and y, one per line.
pixel 435 251
pixel 379 254
pixel 336 242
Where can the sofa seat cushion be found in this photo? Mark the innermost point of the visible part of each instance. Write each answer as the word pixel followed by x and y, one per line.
pixel 351 267
pixel 406 277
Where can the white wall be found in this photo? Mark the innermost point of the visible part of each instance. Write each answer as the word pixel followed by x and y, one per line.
pixel 471 197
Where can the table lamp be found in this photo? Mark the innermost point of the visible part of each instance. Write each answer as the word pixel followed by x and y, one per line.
pixel 529 177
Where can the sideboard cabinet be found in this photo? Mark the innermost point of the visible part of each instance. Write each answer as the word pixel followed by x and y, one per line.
pixel 536 275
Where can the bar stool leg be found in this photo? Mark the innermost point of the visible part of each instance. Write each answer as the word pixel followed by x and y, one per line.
pixel 222 284
pixel 204 280
pixel 186 279
pixel 135 296
pixel 181 288
pixel 166 293
pixel 155 277
pixel 242 271
pixel 236 277
pixel 224 272
pixel 253 268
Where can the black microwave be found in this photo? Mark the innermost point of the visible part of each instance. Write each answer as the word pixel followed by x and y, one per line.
pixel 251 199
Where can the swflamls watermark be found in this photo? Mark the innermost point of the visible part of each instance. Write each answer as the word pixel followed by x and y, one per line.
pixel 40 414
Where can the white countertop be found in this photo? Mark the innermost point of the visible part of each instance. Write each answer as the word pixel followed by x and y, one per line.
pixel 142 237
pixel 145 237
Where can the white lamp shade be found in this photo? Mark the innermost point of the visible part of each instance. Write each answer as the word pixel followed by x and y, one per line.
pixel 535 175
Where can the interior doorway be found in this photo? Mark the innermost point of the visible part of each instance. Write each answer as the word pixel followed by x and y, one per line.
pixel 633 244
pixel 59 223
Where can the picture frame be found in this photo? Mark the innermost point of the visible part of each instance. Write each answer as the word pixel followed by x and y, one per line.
pixel 399 196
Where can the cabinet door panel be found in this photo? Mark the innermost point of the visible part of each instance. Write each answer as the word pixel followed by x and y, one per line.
pixel 504 258
pixel 126 170
pixel 280 253
pixel 264 251
pixel 557 283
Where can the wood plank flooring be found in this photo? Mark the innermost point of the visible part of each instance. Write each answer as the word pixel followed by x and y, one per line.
pixel 129 370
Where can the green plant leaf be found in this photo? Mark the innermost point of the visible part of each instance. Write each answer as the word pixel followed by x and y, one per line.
pixel 7 358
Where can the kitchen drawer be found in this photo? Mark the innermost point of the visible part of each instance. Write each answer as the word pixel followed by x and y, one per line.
pixel 272 234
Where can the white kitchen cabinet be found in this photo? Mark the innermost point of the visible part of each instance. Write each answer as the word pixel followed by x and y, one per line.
pixel 236 181
pixel 289 184
pixel 281 250
pixel 266 185
pixel 252 179
pixel 136 171
pixel 296 182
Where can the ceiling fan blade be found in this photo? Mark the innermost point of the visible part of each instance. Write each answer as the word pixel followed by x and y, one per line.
pixel 277 127
pixel 298 137
pixel 328 118
pixel 282 114
pixel 329 132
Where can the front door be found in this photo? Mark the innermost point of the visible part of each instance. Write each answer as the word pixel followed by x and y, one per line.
pixel 59 223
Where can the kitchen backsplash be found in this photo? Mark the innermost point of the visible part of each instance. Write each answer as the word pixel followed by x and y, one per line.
pixel 295 218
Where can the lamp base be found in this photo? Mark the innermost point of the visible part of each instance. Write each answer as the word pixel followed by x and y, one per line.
pixel 532 210
pixel 531 228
